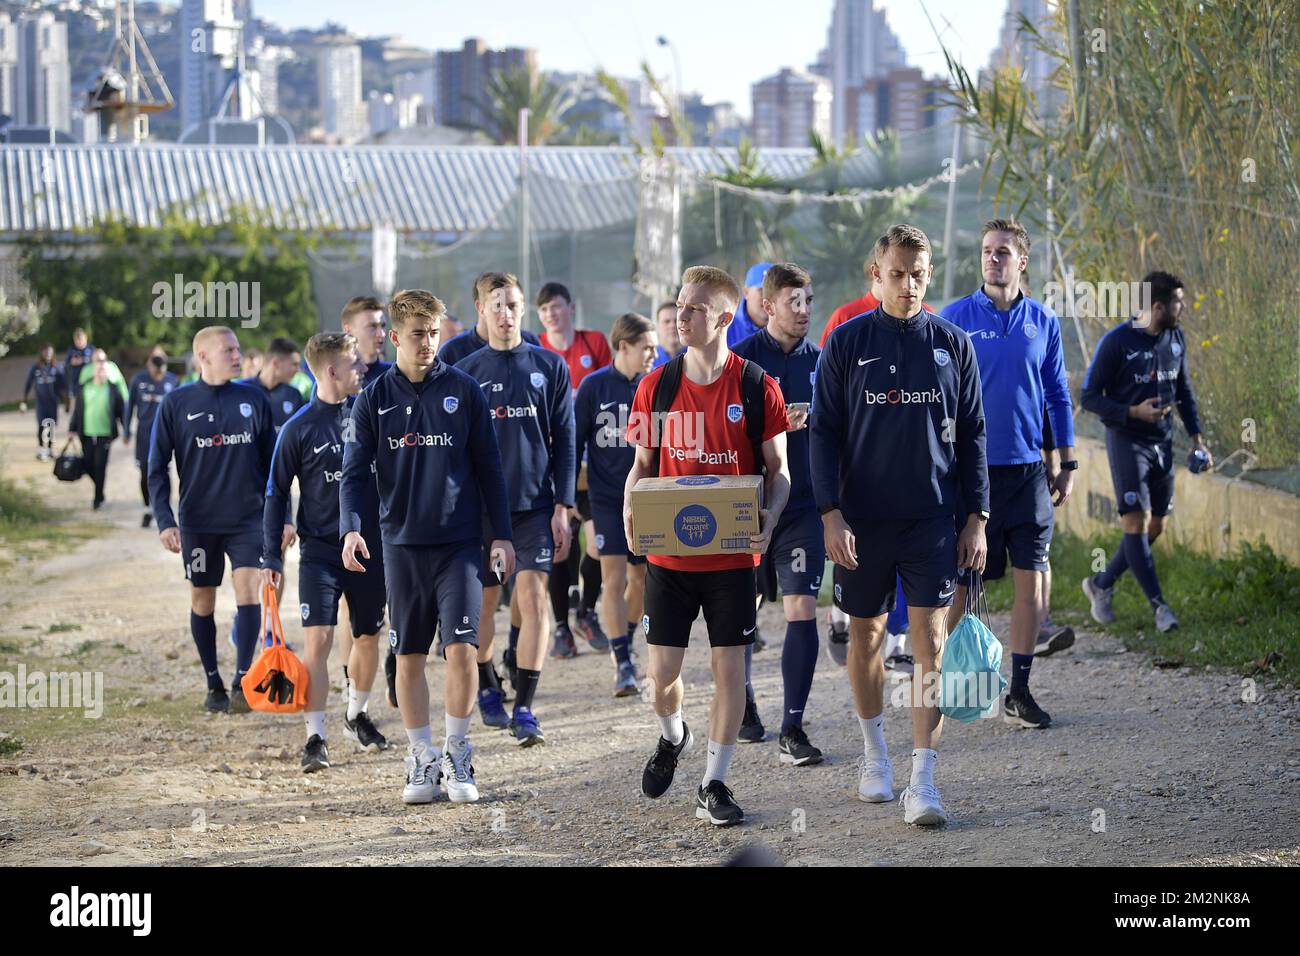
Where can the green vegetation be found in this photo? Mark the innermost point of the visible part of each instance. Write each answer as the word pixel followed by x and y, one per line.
pixel 10 745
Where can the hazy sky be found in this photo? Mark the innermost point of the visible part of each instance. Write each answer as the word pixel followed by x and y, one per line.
pixel 725 45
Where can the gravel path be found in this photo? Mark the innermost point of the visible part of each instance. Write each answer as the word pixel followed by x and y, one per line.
pixel 1143 766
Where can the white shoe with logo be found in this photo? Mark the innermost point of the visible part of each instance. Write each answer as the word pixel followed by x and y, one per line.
pixel 458 772
pixel 875 780
pixel 921 806
pixel 422 775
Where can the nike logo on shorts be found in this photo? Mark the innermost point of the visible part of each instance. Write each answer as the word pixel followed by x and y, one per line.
pixel 605 405
pixel 868 361
pixel 748 631
pixel 190 418
pixel 317 451
pixel 385 411
pixel 468 630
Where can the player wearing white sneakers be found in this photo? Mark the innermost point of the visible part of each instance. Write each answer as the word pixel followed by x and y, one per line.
pixel 426 429
pixel 897 444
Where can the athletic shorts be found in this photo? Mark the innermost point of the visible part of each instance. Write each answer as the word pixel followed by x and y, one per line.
pixel 923 553
pixel 611 542
pixel 533 541
pixel 432 588
pixel 673 599
pixel 319 585
pixel 1143 473
pixel 1021 519
pixel 204 554
pixel 582 501
pixel 795 560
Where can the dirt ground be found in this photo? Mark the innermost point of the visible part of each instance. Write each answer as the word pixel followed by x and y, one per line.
pixel 1142 766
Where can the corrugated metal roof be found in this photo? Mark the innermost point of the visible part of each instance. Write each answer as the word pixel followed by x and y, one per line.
pixel 421 189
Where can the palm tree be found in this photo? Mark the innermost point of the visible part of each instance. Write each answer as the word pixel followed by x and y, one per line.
pixel 510 91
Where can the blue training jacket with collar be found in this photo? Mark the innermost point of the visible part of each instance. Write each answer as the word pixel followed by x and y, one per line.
pixel 460 347
pixel 1022 368
pixel 1130 366
pixel 601 413
pixel 222 437
pixel 435 461
pixel 897 428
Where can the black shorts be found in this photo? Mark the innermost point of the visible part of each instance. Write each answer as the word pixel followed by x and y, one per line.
pixel 204 554
pixel 611 542
pixel 673 599
pixel 923 553
pixel 1021 519
pixel 321 582
pixel 1143 473
pixel 534 544
pixel 796 558
pixel 433 588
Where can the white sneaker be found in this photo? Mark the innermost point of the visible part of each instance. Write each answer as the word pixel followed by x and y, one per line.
pixel 458 773
pixel 875 780
pixel 1165 618
pixel 921 806
pixel 421 777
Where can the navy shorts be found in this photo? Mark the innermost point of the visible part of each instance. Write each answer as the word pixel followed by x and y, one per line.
pixel 533 541
pixel 1143 473
pixel 432 588
pixel 321 582
pixel 1021 519
pixel 611 542
pixel 582 504
pixel 923 553
pixel 796 558
pixel 674 599
pixel 204 554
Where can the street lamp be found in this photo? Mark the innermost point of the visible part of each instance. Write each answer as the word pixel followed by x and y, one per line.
pixel 677 70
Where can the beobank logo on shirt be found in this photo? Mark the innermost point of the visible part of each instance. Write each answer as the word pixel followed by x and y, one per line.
pixel 901 396
pixel 702 456
pixel 515 411
pixel 415 440
pixel 220 441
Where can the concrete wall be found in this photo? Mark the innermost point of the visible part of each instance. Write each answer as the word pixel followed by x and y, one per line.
pixel 1212 515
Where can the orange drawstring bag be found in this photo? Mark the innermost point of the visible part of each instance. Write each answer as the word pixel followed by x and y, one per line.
pixel 277 681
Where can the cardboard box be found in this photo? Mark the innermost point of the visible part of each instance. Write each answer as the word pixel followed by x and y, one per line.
pixel 696 514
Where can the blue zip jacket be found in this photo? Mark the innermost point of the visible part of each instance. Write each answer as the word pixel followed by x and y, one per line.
pixel 795 372
pixel 742 325
pixel 50 386
pixel 897 428
pixel 284 399
pixel 146 396
pixel 458 348
pixel 1022 367
pixel 222 438
pixel 374 370
pixel 527 389
pixel 310 449
pixel 434 456
pixel 600 420
pixel 1131 366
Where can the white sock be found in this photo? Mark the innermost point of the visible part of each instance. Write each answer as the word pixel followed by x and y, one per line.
pixel 421 739
pixel 671 727
pixel 923 766
pixel 719 761
pixel 315 723
pixel 357 701
pixel 873 737
pixel 457 727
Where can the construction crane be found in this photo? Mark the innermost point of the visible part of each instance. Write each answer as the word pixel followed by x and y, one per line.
pixel 129 86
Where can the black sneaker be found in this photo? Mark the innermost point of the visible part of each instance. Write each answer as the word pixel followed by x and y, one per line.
pixel 145 519
pixel 658 775
pixel 238 703
pixel 314 755
pixel 714 802
pixel 390 674
pixel 363 731
pixel 751 728
pixel 1052 639
pixel 795 748
pixel 1020 709
pixel 508 661
pixel 218 701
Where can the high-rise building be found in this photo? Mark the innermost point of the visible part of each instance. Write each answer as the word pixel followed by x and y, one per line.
pixel 861 46
pixel 8 64
pixel 902 100
pixel 789 107
pixel 463 77
pixel 415 94
pixel 1022 52
pixel 43 75
pixel 210 40
pixel 343 110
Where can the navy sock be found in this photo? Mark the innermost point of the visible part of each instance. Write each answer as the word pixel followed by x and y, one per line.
pixel 204 631
pixel 1137 548
pixel 1117 566
pixel 514 638
pixel 590 570
pixel 622 648
pixel 798 661
pixel 1020 664
pixel 248 618
pixel 487 677
pixel 527 687
pixel 749 667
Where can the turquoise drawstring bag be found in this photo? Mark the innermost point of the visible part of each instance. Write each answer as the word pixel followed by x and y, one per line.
pixel 971 681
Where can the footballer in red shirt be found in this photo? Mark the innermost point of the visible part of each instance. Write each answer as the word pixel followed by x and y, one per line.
pixel 704 434
pixel 584 350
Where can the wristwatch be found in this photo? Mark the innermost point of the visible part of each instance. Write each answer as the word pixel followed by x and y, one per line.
pixel 1072 465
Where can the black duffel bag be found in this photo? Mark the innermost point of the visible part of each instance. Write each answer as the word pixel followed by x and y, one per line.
pixel 69 467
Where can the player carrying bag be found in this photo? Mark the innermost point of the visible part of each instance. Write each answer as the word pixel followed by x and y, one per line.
pixel 972 662
pixel 277 680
